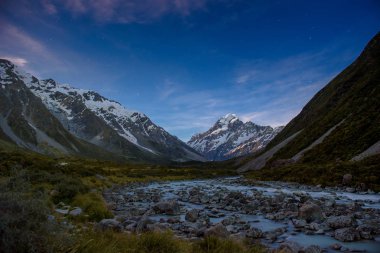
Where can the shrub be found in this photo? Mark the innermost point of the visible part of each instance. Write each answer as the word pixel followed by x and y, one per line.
pixel 24 226
pixel 68 188
pixel 93 205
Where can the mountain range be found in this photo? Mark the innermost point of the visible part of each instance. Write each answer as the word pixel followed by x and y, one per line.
pixel 229 137
pixel 340 123
pixel 48 117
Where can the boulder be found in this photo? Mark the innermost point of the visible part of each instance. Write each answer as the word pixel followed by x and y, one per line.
pixel 289 247
pixel 347 234
pixel 310 212
pixel 340 221
pixel 111 224
pixel 76 211
pixel 335 246
pixel 313 249
pixel 219 230
pixel 299 223
pixel 254 233
pixel 167 207
pixel 347 179
pixel 141 225
pixel 192 215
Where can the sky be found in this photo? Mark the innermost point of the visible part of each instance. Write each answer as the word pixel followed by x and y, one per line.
pixel 186 63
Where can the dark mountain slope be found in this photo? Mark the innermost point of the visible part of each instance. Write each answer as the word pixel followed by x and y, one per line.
pixel 340 122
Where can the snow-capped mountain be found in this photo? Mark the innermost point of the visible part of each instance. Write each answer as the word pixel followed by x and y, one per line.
pixel 103 122
pixel 230 137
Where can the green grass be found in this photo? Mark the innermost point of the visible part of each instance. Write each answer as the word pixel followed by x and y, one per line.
pixel 93 205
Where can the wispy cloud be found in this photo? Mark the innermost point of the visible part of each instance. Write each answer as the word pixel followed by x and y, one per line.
pixel 15 39
pixel 269 93
pixel 49 7
pixel 125 11
pixel 16 60
pixel 168 88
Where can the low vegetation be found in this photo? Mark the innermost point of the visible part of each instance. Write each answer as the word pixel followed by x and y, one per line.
pixel 366 172
pixel 32 186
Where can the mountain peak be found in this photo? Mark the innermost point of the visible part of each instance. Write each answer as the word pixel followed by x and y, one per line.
pixel 228 119
pixel 230 137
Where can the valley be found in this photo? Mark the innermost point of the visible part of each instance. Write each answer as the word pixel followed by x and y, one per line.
pixel 189 126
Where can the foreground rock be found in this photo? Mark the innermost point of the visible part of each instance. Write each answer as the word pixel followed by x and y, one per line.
pixel 347 234
pixel 167 207
pixel 111 224
pixel 218 231
pixel 310 212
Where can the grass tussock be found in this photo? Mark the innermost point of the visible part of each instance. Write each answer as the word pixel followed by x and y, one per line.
pixel 93 205
pixel 110 242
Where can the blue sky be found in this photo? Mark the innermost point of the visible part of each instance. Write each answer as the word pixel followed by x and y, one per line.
pixel 185 63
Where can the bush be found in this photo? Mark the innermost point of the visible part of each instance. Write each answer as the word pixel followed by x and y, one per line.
pixel 68 188
pixel 24 226
pixel 93 205
pixel 159 243
pixel 217 245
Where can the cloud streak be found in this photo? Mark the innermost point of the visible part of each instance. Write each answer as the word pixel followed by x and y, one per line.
pixel 269 93
pixel 125 11
pixel 15 60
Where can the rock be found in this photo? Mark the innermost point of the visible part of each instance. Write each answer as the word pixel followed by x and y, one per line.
pixel 313 226
pixel 167 207
pixel 313 249
pixel 141 225
pixel 173 220
pixel 156 227
pixel 109 224
pixel 228 221
pixel 289 247
pixel 62 211
pixel 310 212
pixel 329 202
pixel 335 246
pixel 192 215
pixel 299 223
pixel 339 221
pixel 218 231
pixel 347 178
pixel 319 232
pixel 76 211
pixel 347 234
pixel 254 233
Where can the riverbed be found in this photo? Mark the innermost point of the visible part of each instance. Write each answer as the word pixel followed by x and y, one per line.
pixel 275 214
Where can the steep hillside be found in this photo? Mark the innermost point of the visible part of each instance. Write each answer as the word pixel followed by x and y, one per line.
pixel 338 124
pixel 25 121
pixel 230 137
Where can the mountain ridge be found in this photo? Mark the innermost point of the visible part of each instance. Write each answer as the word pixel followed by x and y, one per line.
pixel 102 122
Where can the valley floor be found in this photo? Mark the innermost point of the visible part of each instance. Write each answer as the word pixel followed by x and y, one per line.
pixel 74 205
